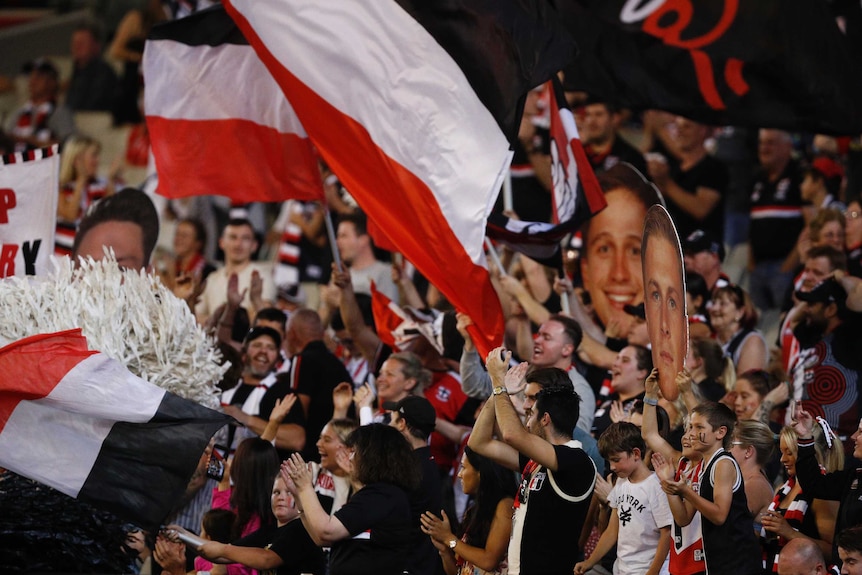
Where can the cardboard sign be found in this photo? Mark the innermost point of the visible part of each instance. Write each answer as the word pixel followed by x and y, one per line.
pixel 664 298
pixel 29 188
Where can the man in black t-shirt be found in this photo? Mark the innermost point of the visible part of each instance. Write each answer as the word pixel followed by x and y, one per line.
pixel 776 220
pixel 598 123
pixel 530 172
pixel 557 476
pixel 414 417
pixel 694 188
pixel 313 374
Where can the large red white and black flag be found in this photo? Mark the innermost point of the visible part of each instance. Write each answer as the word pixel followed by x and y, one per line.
pixel 765 63
pixel 81 423
pixel 576 191
pixel 218 122
pixel 414 105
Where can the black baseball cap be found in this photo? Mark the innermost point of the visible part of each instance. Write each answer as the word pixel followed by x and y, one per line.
pixel 43 65
pixel 828 291
pixel 261 331
pixel 416 411
pixel 703 241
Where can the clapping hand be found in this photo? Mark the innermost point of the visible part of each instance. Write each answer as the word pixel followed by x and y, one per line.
pixel 497 364
pixel 516 378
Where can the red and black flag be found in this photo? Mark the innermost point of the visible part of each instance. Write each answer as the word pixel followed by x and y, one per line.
pixel 576 191
pixel 83 424
pixel 765 63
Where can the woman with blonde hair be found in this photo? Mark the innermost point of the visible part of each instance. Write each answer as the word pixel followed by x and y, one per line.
pixel 80 187
pixel 794 514
pixel 752 446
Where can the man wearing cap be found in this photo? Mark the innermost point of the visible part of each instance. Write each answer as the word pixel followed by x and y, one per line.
pixel 703 254
pixel 251 401
pixel 826 372
pixel 277 320
pixel 414 417
pixel 41 121
pixel 820 263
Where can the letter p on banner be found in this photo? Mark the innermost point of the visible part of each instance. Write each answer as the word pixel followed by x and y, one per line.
pixel 29 189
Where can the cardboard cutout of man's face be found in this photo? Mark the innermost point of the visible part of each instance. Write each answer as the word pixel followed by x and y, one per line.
pixel 664 300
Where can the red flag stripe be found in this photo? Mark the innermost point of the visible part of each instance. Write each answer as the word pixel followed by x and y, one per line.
pixel 208 137
pixel 33 377
pixel 180 145
pixel 386 316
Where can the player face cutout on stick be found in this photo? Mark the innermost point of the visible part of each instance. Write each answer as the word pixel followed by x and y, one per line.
pixel 664 298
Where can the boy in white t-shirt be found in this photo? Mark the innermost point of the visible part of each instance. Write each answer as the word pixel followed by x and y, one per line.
pixel 640 520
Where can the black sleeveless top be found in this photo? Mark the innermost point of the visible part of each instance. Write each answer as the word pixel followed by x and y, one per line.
pixel 731 547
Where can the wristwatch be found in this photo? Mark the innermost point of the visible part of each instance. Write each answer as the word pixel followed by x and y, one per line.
pixel 499 390
pixel 452 544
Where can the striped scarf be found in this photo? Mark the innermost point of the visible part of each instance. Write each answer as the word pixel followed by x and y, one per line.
pixel 33 122
pixel 794 515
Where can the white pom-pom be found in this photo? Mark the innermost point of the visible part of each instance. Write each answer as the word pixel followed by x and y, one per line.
pixel 127 315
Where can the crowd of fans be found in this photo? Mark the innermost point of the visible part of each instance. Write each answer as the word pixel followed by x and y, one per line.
pixel 363 447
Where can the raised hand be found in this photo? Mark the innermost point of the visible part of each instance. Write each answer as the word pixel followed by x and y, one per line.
pixel 617 412
pixel 803 422
pixel 497 364
pixel 663 469
pixel 651 383
pixel 234 296
pixel 602 489
pixel 516 378
pixel 364 396
pixel 342 396
pixel 282 407
pixel 562 285
pixel 438 528
pixel 683 381
pixel 298 472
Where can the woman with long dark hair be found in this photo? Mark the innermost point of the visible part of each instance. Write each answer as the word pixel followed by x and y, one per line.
pixel 246 487
pixel 484 535
pixel 372 533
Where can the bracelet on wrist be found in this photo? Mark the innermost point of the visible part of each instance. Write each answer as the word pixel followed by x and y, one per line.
pixel 651 401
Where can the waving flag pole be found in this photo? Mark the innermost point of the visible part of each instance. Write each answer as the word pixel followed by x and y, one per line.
pixel 414 106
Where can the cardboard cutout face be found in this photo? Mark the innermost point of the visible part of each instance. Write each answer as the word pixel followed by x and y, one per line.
pixel 664 298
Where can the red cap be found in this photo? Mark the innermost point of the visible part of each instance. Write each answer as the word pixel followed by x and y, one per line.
pixel 827 167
